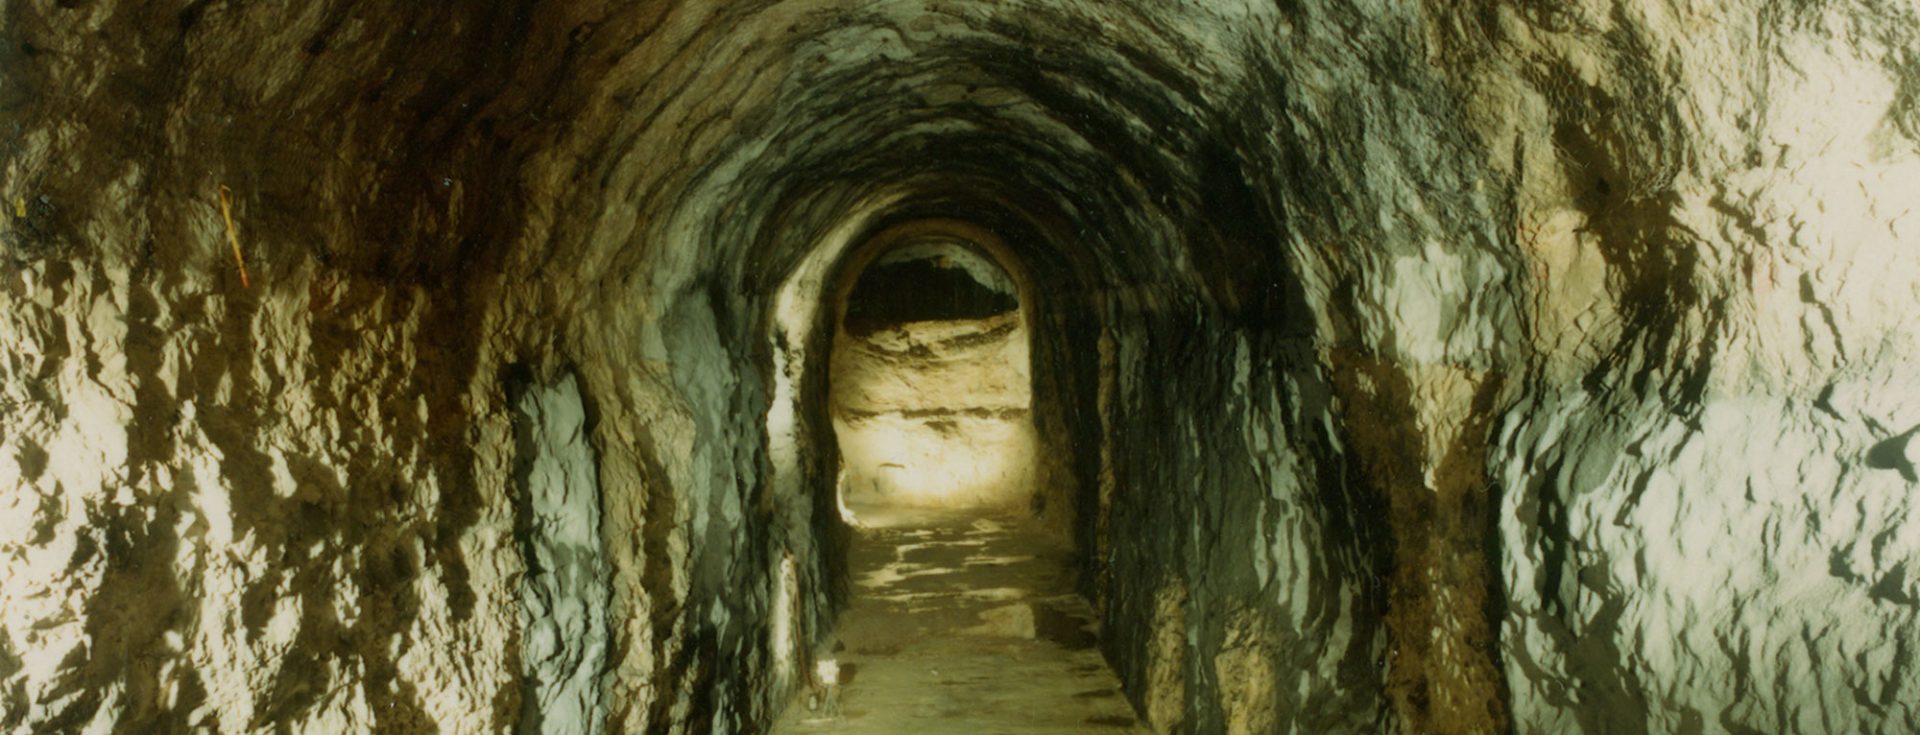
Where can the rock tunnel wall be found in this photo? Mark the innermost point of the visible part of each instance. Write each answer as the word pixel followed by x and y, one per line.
pixel 564 588
pixel 1426 367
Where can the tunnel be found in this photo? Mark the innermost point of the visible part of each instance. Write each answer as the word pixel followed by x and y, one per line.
pixel 1225 366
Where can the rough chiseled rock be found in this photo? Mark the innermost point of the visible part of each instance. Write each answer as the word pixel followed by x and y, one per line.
pixel 563 593
pixel 1411 366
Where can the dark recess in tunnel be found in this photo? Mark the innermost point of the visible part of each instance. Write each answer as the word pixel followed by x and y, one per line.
pixel 920 289
pixel 1178 256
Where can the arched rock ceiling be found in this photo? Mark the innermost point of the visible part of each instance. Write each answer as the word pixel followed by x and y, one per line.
pixel 641 147
pixel 1096 117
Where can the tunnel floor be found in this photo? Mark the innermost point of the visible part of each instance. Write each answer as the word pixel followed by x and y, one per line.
pixel 963 623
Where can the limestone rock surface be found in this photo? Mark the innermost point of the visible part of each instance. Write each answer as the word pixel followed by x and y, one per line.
pixel 1396 366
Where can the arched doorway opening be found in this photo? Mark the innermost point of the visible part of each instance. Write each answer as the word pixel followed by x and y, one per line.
pixel 930 378
pixel 962 606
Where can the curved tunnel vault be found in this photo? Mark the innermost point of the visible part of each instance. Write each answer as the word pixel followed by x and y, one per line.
pixel 1393 367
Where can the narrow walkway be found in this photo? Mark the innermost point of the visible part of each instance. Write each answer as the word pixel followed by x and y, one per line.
pixel 963 624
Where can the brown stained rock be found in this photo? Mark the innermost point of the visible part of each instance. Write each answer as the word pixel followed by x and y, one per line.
pixel 1166 676
pixel 1246 669
pixel 1443 670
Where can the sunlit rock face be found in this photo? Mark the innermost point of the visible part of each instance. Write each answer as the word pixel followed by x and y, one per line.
pixel 931 392
pixel 1397 366
pixel 1701 523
